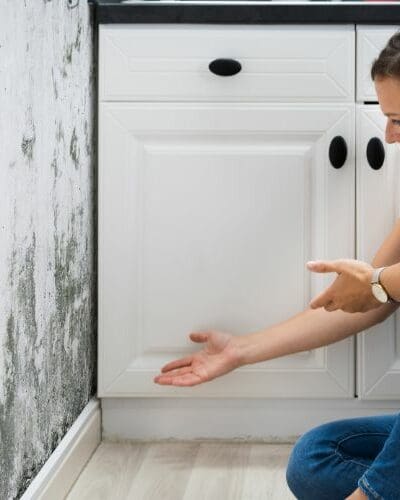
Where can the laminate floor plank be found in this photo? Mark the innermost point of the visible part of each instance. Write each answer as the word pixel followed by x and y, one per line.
pixel 164 472
pixel 266 473
pixel 184 471
pixel 109 472
pixel 218 472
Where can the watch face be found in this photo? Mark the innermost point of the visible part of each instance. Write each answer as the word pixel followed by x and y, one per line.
pixel 379 293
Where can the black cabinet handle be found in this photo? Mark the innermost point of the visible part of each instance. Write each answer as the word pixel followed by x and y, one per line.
pixel 375 153
pixel 225 67
pixel 338 152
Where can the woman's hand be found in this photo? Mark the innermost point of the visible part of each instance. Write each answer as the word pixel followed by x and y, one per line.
pixel 218 356
pixel 351 291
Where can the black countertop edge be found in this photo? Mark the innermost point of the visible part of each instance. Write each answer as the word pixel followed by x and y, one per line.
pixel 241 13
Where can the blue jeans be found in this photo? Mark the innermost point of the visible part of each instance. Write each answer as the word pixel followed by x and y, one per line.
pixel 330 461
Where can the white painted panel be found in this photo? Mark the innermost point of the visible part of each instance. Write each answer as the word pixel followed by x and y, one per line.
pixel 370 41
pixel 268 420
pixel 378 202
pixel 207 215
pixel 279 63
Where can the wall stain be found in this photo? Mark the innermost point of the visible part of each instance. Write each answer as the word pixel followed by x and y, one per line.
pixel 26 288
pixel 7 423
pixel 54 166
pixel 88 139
pixel 59 132
pixel 68 53
pixel 29 138
pixel 77 43
pixel 27 145
pixel 69 49
pixel 13 257
pixel 74 148
pixel 55 89
pixel 66 287
pixel 21 376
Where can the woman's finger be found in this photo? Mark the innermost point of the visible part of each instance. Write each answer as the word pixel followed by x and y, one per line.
pixel 330 306
pixel 327 266
pixel 178 363
pixel 321 300
pixel 160 379
pixel 180 371
pixel 199 336
pixel 163 379
pixel 186 379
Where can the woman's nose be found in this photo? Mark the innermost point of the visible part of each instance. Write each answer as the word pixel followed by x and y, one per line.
pixel 390 134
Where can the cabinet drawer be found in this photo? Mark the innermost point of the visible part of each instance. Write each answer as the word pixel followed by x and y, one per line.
pixel 370 41
pixel 278 63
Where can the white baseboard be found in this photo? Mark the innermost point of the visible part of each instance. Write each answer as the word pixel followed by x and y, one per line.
pixel 61 470
pixel 268 420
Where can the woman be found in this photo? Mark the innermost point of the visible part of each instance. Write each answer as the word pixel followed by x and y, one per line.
pixel 355 458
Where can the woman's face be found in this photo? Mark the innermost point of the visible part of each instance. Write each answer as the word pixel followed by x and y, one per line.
pixel 388 91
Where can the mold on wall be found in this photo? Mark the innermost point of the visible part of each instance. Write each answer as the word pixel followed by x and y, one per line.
pixel 47 231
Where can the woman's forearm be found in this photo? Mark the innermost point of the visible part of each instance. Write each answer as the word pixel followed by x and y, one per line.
pixel 307 330
pixel 314 328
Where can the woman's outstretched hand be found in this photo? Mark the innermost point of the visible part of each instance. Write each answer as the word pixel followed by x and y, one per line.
pixel 218 356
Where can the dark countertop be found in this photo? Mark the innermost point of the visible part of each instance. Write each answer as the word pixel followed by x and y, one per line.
pixel 252 12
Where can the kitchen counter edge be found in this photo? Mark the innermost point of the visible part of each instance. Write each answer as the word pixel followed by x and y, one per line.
pixel 182 12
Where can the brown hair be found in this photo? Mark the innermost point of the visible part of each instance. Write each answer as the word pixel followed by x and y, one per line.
pixel 388 61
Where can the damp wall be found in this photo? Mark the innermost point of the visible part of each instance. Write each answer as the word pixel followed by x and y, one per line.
pixel 47 230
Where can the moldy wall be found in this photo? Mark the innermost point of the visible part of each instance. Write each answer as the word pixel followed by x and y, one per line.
pixel 47 231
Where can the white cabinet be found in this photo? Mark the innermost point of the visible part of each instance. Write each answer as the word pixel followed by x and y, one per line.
pixel 215 191
pixel 378 199
pixel 378 202
pixel 209 210
pixel 208 214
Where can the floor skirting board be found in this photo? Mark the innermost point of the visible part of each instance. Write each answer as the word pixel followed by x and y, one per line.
pixel 267 420
pixel 66 462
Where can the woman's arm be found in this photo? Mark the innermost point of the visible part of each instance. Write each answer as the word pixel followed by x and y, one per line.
pixel 314 328
pixel 389 255
pixel 307 330
pixel 223 352
pixel 389 252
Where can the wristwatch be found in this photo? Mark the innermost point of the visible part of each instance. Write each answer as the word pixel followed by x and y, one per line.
pixel 377 289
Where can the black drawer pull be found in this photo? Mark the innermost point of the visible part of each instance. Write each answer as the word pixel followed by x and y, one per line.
pixel 338 152
pixel 225 67
pixel 375 153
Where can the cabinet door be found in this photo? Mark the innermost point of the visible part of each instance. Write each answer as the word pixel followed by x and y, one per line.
pixel 370 41
pixel 377 209
pixel 207 216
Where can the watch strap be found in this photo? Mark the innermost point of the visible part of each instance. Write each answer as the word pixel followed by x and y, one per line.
pixel 375 279
pixel 375 276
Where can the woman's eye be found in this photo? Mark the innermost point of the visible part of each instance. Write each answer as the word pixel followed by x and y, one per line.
pixel 396 122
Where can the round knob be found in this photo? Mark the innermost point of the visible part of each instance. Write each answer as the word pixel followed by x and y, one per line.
pixel 375 153
pixel 338 152
pixel 225 67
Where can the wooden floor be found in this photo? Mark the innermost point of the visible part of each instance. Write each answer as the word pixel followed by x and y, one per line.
pixel 185 470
